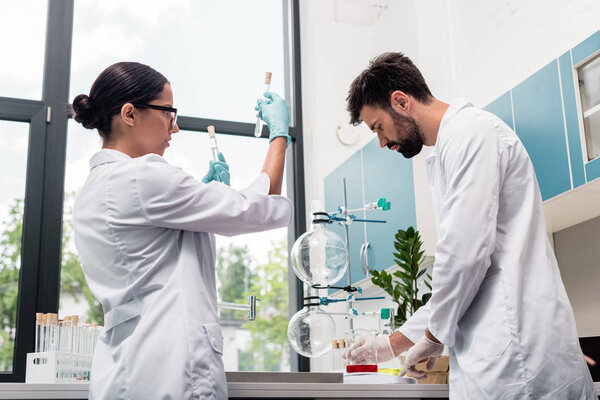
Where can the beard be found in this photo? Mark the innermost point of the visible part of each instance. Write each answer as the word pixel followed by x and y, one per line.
pixel 412 142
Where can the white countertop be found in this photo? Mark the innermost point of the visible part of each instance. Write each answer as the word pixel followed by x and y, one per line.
pixel 251 390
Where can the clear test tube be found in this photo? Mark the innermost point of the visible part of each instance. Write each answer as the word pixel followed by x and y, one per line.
pixel 61 332
pixel 93 337
pixel 67 334
pixel 44 333
pixel 83 338
pixel 342 346
pixel 52 332
pixel 38 332
pixel 74 334
pixel 259 122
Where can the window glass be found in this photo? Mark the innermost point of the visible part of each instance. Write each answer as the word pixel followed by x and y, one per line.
pixel 14 139
pixel 247 264
pixel 23 29
pixel 589 88
pixel 214 53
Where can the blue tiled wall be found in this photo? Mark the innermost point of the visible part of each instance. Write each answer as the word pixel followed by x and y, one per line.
pixel 388 174
pixel 382 173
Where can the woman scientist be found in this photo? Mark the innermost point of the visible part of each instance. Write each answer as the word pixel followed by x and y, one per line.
pixel 145 229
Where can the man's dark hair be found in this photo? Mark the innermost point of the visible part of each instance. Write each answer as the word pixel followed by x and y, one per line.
pixel 386 73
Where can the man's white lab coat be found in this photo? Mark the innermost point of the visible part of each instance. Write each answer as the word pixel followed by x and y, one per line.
pixel 498 300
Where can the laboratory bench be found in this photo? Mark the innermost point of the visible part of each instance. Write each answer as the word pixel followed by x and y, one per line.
pixel 254 390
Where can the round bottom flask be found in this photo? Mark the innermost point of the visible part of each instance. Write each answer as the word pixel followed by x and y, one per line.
pixel 310 330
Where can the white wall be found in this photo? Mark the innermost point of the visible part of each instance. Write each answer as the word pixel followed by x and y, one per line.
pixel 333 54
pixel 464 48
pixel 579 262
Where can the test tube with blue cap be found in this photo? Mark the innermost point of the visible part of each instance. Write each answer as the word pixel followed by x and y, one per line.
pixel 259 122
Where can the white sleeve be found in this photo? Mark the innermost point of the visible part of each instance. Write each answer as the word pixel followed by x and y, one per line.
pixel 471 162
pixel 171 198
pixel 414 327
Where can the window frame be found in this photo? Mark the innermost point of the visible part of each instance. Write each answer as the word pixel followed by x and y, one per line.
pixel 579 102
pixel 39 281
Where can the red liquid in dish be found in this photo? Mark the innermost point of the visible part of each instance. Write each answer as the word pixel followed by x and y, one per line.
pixel 361 368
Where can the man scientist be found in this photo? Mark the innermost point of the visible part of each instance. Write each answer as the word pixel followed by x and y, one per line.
pixel 498 301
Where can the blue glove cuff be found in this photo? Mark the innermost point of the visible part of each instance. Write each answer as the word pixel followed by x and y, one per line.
pixel 282 134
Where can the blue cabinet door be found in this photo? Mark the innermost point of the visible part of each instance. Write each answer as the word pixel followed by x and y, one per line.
pixel 539 124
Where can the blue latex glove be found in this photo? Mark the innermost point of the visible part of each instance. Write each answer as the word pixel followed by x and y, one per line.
pixel 275 112
pixel 217 171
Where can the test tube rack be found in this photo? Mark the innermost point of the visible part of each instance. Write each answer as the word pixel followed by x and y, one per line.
pixel 57 367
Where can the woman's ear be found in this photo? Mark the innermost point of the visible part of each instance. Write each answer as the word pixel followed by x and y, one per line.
pixel 129 114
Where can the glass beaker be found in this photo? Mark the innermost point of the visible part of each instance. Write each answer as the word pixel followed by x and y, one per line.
pixel 367 361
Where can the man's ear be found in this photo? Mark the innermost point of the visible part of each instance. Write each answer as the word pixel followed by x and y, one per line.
pixel 129 114
pixel 399 100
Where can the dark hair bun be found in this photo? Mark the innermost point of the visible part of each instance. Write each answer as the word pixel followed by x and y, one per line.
pixel 84 113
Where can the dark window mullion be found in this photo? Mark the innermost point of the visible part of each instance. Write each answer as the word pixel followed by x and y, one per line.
pixel 19 110
pixel 25 329
pixel 57 66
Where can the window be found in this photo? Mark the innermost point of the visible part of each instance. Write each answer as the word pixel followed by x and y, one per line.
pixel 13 148
pixel 22 27
pixel 214 53
pixel 215 60
pixel 589 89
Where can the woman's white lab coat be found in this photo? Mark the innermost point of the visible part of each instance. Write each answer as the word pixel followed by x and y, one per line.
pixel 144 233
pixel 498 300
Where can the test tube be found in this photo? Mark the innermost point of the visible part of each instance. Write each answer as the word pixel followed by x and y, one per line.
pixel 44 340
pixel 53 332
pixel 213 142
pixel 61 332
pixel 83 338
pixel 67 334
pixel 75 334
pixel 259 122
pixel 93 337
pixel 38 331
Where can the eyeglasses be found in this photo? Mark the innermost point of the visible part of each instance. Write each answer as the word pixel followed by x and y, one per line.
pixel 169 111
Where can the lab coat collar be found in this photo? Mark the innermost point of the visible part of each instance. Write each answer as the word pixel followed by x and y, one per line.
pixel 105 156
pixel 455 106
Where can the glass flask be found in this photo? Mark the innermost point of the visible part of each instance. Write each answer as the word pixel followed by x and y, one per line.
pixel 310 331
pixel 368 361
pixel 319 256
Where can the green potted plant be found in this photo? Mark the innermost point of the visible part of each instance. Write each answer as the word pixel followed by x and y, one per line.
pixel 404 291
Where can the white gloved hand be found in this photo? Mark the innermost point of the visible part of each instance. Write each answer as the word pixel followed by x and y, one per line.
pixel 424 348
pixel 370 350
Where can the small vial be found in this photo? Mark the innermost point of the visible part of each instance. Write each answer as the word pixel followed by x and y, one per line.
pixel 259 122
